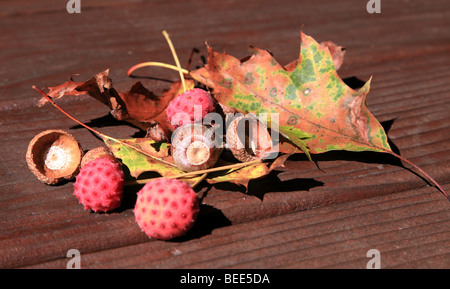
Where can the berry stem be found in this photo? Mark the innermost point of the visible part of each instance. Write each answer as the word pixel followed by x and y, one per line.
pixel 175 57
pixel 154 63
pixel 101 135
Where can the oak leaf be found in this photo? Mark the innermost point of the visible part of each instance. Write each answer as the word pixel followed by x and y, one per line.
pixel 317 111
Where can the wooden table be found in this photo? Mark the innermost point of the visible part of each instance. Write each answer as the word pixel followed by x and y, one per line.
pixel 297 217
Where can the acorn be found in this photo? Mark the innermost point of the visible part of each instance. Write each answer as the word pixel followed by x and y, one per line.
pixel 248 138
pixel 54 156
pixel 194 148
pixel 97 153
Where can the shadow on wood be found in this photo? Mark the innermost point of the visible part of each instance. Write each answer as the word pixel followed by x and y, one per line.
pixel 208 219
pixel 270 184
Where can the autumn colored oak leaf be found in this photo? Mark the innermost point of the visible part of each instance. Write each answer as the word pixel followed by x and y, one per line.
pixel 317 111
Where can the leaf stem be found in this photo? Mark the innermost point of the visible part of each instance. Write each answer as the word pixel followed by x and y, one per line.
pixel 435 183
pixel 103 136
pixel 175 57
pixel 199 180
pixel 64 112
pixel 154 63
pixel 204 172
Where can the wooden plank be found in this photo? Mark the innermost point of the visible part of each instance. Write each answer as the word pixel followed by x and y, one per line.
pixel 410 226
pixel 298 217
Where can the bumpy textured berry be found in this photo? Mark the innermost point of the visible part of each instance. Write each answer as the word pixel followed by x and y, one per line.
pixel 186 104
pixel 166 208
pixel 99 185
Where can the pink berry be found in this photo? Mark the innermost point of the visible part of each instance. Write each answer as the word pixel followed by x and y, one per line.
pixel 99 185
pixel 166 208
pixel 191 106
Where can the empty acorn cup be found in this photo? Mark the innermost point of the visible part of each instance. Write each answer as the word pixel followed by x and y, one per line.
pixel 54 156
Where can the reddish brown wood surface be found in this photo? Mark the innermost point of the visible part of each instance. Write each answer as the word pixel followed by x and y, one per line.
pixel 298 217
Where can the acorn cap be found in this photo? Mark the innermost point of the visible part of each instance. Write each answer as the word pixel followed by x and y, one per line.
pixel 248 138
pixel 193 148
pixel 54 156
pixel 97 153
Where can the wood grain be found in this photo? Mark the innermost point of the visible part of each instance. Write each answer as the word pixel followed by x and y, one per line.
pixel 298 217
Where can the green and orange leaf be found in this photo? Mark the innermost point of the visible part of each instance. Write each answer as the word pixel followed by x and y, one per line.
pixel 317 111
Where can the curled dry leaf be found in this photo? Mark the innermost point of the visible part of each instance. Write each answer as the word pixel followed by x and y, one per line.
pixel 242 176
pixel 99 87
pixel 139 106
